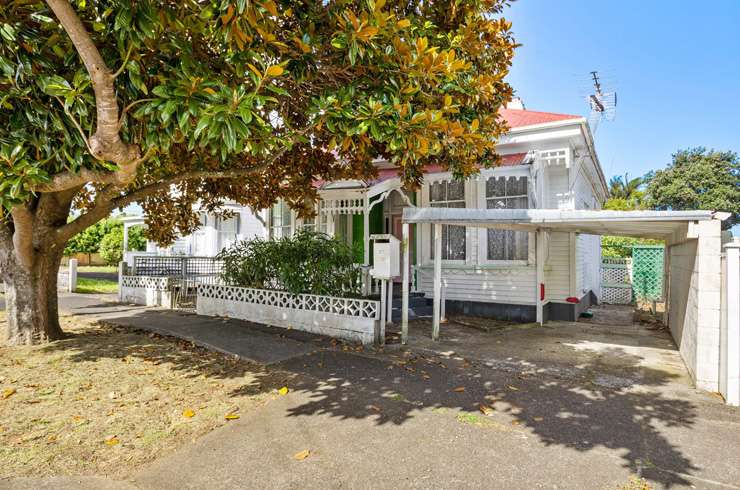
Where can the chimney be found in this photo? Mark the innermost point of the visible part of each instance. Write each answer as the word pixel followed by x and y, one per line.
pixel 516 103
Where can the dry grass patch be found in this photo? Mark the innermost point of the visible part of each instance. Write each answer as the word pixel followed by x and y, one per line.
pixel 107 399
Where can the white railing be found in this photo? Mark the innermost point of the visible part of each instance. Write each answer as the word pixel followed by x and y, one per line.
pixel 357 308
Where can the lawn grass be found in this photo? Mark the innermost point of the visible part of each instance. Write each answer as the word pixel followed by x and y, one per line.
pixel 97 268
pixel 86 285
pixel 106 399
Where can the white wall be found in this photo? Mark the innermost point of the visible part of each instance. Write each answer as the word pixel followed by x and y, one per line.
pixel 557 268
pixel 694 301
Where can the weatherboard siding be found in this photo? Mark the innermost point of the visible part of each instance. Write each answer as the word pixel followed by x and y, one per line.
pixel 508 285
pixel 557 267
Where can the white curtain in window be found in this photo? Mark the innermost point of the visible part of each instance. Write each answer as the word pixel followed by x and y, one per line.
pixel 507 193
pixel 280 217
pixel 449 194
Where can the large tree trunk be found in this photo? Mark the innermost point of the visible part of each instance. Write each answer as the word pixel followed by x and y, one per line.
pixel 31 301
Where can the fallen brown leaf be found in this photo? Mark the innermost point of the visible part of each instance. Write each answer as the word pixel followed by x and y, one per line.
pixel 301 455
pixel 7 393
pixel 485 410
pixel 459 389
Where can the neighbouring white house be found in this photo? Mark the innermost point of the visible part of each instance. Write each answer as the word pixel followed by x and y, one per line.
pixel 548 162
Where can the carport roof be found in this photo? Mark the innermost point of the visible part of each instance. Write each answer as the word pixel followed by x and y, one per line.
pixel 643 224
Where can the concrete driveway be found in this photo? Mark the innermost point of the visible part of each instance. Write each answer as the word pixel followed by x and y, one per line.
pixel 568 405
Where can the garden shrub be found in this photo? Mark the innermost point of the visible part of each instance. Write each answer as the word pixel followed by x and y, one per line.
pixel 307 262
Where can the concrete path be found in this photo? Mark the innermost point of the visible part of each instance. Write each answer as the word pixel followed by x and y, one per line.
pixel 563 414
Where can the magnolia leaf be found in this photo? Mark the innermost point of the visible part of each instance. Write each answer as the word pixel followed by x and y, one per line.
pixel 302 455
pixel 485 410
pixel 274 71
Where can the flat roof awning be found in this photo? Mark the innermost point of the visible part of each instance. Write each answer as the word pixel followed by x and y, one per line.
pixel 643 224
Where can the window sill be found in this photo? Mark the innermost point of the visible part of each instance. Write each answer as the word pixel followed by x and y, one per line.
pixel 479 267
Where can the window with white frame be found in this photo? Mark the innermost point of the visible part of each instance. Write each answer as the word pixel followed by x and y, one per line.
pixel 228 229
pixel 449 194
pixel 280 220
pixel 507 193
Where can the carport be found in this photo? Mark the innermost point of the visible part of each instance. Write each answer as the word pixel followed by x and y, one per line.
pixel 692 271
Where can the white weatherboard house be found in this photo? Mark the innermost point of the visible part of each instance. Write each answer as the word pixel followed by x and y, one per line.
pixel 548 162
pixel 517 242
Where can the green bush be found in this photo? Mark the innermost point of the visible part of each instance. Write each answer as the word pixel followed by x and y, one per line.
pixel 307 262
pixel 619 246
pixel 111 246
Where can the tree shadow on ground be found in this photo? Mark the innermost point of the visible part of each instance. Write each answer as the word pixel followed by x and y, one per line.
pixel 579 414
pixel 624 414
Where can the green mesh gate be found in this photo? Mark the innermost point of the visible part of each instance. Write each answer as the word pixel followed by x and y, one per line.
pixel 647 272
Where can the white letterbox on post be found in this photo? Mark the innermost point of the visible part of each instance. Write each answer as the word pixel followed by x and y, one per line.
pixel 386 257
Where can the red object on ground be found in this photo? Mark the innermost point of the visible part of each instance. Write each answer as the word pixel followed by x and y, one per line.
pixel 572 299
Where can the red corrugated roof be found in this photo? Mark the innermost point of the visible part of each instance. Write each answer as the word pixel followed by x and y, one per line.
pixel 517 118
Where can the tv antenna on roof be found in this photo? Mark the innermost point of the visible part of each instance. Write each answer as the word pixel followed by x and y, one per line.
pixel 603 103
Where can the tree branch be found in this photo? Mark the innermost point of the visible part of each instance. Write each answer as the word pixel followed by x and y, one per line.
pixel 126 109
pixel 69 180
pixel 125 62
pixel 105 208
pixel 106 143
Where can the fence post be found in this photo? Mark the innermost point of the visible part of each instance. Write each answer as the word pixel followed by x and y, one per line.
pixel 121 273
pixel 72 276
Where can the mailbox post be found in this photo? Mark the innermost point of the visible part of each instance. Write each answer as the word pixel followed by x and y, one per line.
pixel 386 267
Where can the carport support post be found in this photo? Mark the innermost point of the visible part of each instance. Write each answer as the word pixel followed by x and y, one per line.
pixel 437 280
pixel 540 264
pixel 405 284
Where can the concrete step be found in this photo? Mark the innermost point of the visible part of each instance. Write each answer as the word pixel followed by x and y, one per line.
pixel 419 312
pixel 414 301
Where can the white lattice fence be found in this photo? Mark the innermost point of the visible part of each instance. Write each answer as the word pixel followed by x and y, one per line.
pixel 347 318
pixel 361 308
pixel 616 280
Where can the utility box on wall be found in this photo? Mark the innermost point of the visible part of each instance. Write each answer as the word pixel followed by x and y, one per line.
pixel 386 257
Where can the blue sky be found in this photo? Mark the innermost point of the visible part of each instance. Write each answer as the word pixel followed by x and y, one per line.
pixel 675 65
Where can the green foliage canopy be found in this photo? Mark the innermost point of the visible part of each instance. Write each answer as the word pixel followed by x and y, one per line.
pixel 248 101
pixel 698 178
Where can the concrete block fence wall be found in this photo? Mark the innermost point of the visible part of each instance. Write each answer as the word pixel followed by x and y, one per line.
pixel 694 300
pixel 355 320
